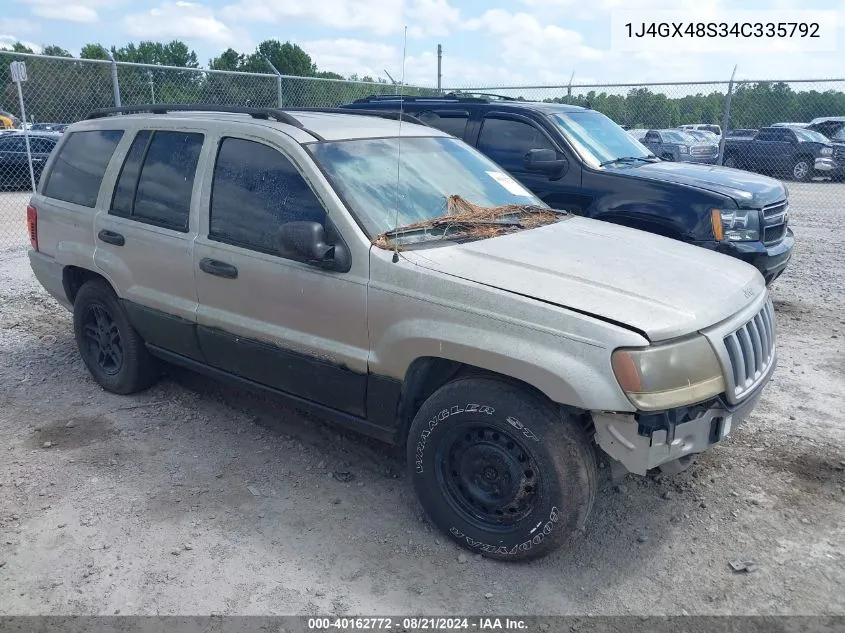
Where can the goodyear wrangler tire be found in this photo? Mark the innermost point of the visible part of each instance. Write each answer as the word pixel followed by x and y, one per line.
pixel 499 469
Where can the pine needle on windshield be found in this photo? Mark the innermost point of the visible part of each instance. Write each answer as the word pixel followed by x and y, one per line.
pixel 460 210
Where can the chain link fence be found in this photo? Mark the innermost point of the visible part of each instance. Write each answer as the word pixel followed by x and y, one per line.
pixel 64 90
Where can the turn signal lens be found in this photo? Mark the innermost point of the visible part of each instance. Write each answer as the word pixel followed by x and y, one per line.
pixel 716 219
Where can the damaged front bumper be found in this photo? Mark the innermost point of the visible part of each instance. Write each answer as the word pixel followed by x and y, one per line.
pixel 643 441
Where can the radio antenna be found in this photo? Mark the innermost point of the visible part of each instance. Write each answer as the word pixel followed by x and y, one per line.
pixel 399 147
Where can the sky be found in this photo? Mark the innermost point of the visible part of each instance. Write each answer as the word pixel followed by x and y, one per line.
pixel 485 43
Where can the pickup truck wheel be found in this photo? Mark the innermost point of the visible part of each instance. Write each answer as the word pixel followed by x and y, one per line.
pixel 802 170
pixel 501 470
pixel 730 161
pixel 111 348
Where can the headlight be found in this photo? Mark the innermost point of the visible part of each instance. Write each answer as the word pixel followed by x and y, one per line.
pixel 684 149
pixel 826 151
pixel 667 376
pixel 736 225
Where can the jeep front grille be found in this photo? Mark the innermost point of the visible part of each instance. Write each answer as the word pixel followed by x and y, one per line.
pixel 751 350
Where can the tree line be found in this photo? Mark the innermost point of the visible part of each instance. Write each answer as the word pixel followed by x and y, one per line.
pixel 753 105
pixel 65 90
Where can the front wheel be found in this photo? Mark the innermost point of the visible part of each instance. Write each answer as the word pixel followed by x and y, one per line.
pixel 802 171
pixel 500 469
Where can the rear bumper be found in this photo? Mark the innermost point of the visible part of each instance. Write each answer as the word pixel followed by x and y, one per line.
pixel 771 260
pixel 49 274
pixel 644 441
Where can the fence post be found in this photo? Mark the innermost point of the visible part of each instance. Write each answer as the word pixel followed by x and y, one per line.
pixel 726 119
pixel 569 89
pixel 278 82
pixel 115 84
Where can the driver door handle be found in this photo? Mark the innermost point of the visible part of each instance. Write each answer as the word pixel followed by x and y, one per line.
pixel 218 269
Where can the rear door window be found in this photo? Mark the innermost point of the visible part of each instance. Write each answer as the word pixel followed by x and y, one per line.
pixel 157 178
pixel 78 169
pixel 453 123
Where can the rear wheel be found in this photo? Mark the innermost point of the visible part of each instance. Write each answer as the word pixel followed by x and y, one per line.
pixel 500 469
pixel 111 348
pixel 730 161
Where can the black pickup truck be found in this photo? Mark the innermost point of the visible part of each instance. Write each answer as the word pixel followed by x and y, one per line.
pixel 796 152
pixel 581 161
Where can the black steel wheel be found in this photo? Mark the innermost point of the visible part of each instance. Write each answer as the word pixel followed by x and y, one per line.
pixel 103 346
pixel 110 347
pixel 512 477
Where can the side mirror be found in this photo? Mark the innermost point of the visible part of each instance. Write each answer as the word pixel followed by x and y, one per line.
pixel 547 161
pixel 307 241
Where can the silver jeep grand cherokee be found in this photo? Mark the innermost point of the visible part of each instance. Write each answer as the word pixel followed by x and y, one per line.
pixel 409 289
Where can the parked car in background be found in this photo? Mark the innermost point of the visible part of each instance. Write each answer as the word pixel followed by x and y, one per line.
pixel 677 145
pixel 8 121
pixel 14 166
pixel 704 136
pixel 49 127
pixel 741 132
pixel 638 133
pixel 798 153
pixel 495 356
pixel 834 129
pixel 707 127
pixel 789 125
pixel 579 160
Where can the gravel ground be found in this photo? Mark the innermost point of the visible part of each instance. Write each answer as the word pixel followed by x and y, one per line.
pixel 197 498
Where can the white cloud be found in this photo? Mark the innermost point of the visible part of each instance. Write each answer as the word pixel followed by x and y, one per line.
pixel 17 25
pixel 382 17
pixel 378 16
pixel 180 20
pixel 75 11
pixel 533 45
pixel 431 18
pixel 350 56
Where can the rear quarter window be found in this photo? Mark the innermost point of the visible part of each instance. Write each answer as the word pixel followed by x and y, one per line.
pixel 79 167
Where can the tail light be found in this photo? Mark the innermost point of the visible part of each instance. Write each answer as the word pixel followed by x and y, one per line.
pixel 32 225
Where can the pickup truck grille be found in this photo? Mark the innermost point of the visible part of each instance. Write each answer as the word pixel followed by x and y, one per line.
pixel 704 150
pixel 775 218
pixel 751 350
pixel 839 153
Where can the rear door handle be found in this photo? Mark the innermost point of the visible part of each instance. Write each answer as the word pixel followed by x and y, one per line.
pixel 110 237
pixel 218 268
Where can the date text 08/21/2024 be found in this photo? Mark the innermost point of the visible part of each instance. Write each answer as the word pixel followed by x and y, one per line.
pixel 416 624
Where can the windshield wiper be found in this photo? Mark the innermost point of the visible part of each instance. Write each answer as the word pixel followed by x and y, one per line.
pixel 627 159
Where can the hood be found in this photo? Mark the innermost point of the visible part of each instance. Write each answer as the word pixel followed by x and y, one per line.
pixel 748 190
pixel 655 285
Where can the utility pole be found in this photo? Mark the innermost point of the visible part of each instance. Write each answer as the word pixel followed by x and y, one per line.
pixel 439 67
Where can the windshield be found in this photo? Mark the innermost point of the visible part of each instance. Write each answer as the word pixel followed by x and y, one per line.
pixel 675 136
pixel 367 173
pixel 840 135
pixel 809 135
pixel 596 138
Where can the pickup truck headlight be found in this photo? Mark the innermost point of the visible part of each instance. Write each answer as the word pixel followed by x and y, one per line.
pixel 826 151
pixel 736 225
pixel 684 149
pixel 670 375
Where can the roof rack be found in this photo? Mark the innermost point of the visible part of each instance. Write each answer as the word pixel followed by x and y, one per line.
pixel 280 115
pixel 164 108
pixel 383 114
pixel 473 97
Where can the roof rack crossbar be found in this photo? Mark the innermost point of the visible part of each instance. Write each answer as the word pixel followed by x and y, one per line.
pixel 383 114
pixel 474 97
pixel 164 108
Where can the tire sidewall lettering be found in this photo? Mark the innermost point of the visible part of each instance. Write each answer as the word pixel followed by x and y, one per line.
pixel 439 417
pixel 534 541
